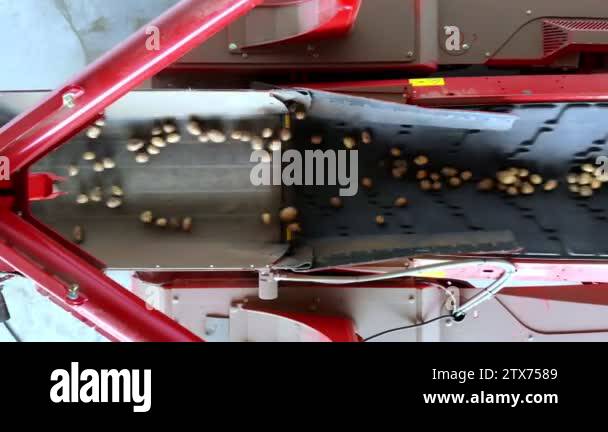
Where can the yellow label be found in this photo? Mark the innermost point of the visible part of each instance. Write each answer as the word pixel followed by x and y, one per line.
pixel 436 274
pixel 427 82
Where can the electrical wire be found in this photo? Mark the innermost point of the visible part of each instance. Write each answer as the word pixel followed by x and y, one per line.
pixel 422 324
pixel 508 270
pixel 12 332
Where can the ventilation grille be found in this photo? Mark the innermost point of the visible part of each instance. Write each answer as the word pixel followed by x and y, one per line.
pixel 556 31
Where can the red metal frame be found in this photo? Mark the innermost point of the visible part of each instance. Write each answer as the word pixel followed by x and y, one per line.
pixel 337 19
pixel 483 90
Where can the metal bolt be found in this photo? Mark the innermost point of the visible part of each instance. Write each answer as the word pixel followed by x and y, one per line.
pixel 466 46
pixel 449 322
pixel 412 299
pixel 69 100
pixel 410 54
pixel 529 12
pixel 73 292
pixel 233 46
pixel 531 338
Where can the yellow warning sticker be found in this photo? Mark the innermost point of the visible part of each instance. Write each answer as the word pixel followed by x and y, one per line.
pixel 436 274
pixel 427 82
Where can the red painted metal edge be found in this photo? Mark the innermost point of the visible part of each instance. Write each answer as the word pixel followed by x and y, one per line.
pixel 519 89
pixel 41 186
pixel 337 18
pixel 191 22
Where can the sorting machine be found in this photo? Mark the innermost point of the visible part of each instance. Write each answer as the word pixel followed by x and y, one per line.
pixel 478 134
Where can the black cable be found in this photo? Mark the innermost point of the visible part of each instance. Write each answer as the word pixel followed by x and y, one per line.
pixel 406 327
pixel 12 332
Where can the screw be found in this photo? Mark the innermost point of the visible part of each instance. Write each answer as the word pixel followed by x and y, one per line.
pixel 73 292
pixel 410 54
pixel 449 322
pixel 531 338
pixel 69 100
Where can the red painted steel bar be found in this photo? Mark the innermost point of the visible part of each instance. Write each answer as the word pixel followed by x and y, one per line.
pixel 106 305
pixel 518 89
pixel 33 134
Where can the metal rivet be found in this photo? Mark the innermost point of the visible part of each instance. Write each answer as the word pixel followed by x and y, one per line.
pixel 530 338
pixel 466 46
pixel 73 292
pixel 233 46
pixel 410 53
pixel 529 12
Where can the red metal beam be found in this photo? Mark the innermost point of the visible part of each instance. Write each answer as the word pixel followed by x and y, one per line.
pixel 519 89
pixel 191 22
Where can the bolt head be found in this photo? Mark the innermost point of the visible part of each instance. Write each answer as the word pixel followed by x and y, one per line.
pixel 233 47
pixel 466 46
pixel 410 53
pixel 73 292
